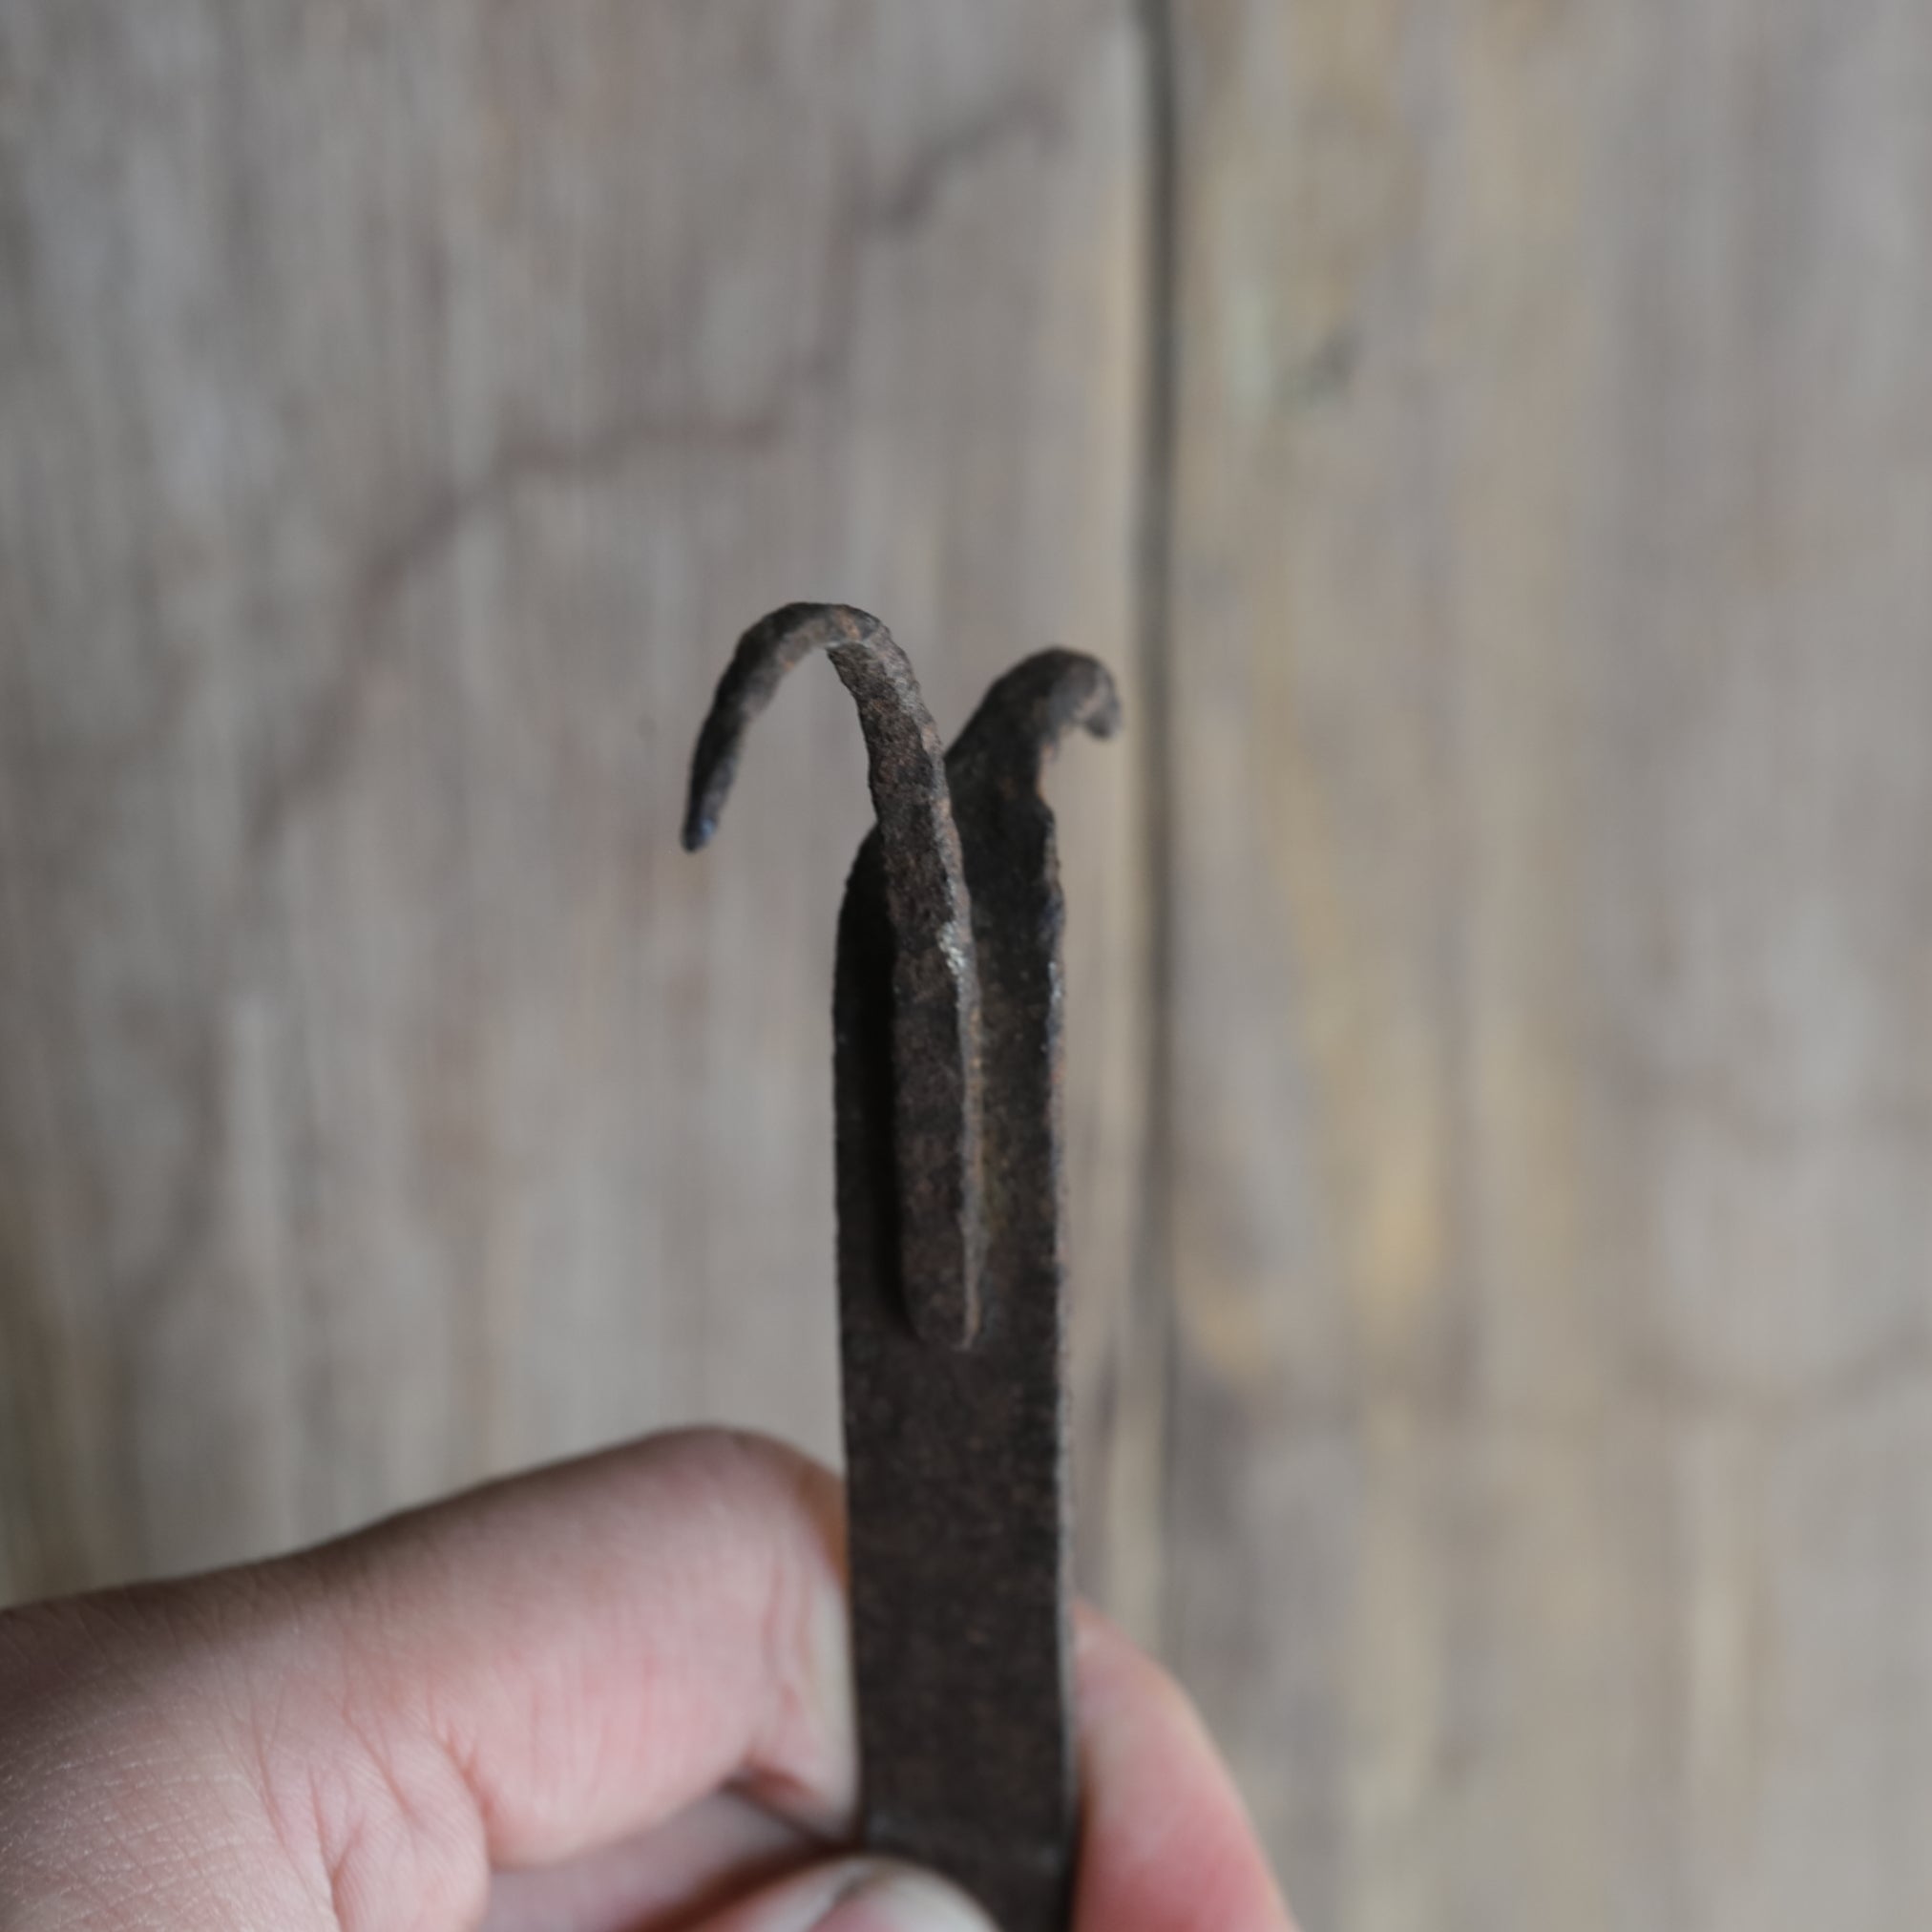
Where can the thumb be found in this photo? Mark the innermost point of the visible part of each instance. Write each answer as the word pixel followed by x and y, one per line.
pixel 854 1895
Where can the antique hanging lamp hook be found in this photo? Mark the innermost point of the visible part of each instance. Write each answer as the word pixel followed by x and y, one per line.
pixel 946 1019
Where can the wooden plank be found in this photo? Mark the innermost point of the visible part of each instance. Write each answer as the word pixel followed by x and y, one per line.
pixel 1552 918
pixel 402 408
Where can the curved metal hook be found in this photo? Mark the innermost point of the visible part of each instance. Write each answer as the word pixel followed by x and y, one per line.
pixel 1028 710
pixel 1006 833
pixel 935 987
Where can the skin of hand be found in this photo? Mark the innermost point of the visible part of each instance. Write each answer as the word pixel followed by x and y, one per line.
pixel 611 1696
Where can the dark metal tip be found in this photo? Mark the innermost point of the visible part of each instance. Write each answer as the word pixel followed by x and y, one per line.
pixel 765 653
pixel 1103 717
pixel 1027 712
pixel 714 762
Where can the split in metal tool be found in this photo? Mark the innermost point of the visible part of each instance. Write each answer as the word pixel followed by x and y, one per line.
pixel 946 1018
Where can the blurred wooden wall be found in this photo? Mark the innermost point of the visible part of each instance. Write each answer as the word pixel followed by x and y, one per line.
pixel 1492 439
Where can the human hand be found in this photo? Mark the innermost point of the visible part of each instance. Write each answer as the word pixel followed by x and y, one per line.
pixel 612 1697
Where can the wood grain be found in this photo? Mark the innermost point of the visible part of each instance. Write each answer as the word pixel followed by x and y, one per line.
pixel 1552 915
pixel 1499 1032
pixel 402 410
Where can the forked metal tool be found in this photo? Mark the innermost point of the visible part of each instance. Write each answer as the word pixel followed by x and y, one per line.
pixel 946 1018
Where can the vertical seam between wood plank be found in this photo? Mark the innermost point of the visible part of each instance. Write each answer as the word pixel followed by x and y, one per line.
pixel 1152 1329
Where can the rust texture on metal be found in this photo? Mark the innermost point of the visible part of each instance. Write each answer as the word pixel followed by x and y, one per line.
pixel 955 1430
pixel 934 997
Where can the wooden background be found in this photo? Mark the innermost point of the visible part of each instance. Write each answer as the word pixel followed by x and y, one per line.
pixel 1492 439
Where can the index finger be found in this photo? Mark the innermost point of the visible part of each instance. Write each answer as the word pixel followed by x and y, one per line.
pixel 598 1646
pixel 603 1644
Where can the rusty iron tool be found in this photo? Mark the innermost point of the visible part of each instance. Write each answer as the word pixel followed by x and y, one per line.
pixel 946 1021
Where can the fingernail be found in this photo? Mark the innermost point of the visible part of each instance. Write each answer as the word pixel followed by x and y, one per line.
pixel 896 1898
